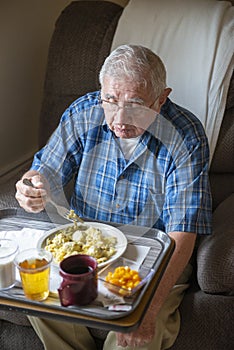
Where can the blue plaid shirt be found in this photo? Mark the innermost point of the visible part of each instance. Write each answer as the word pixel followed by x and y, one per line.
pixel 163 185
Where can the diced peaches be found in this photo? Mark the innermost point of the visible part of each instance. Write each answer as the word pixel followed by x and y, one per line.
pixel 124 277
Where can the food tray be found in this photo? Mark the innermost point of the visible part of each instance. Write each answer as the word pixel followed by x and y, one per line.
pixel 160 243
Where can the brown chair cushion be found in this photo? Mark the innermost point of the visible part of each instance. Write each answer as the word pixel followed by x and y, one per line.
pixel 215 256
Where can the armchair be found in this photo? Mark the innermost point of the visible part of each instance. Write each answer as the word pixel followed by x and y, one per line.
pixel 81 40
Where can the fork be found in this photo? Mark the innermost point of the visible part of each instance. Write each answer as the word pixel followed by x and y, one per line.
pixel 62 211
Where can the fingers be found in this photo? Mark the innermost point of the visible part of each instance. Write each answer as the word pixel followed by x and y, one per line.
pixel 132 340
pixel 125 340
pixel 38 182
pixel 31 198
pixel 121 341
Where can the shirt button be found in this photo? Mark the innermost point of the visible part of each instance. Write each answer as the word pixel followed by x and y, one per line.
pixel 117 205
pixel 121 177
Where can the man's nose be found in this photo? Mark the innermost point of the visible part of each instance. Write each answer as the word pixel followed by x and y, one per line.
pixel 121 116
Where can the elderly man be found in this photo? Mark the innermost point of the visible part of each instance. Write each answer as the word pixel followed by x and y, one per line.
pixel 136 158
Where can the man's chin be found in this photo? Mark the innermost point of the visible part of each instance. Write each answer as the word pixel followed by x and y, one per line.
pixel 124 134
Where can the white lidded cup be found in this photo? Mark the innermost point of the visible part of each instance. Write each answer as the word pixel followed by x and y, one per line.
pixel 8 250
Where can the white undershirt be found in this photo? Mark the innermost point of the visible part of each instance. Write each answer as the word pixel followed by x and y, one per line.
pixel 128 146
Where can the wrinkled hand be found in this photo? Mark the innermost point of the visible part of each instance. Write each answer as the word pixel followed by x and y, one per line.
pixel 141 336
pixel 32 199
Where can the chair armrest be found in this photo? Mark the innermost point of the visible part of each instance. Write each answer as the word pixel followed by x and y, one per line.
pixel 215 254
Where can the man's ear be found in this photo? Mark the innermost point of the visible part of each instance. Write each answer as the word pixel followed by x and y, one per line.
pixel 162 98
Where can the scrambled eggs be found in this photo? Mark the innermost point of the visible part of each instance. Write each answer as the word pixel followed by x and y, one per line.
pixel 81 239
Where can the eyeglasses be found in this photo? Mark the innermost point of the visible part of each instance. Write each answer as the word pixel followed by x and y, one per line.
pixel 133 108
pixel 114 106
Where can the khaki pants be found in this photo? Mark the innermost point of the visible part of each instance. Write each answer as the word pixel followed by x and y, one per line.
pixel 69 336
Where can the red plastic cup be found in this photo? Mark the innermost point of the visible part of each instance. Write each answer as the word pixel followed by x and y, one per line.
pixel 79 284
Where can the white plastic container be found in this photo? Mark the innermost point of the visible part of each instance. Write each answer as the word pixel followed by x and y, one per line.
pixel 8 250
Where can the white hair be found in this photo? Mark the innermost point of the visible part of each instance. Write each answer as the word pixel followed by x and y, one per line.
pixel 137 64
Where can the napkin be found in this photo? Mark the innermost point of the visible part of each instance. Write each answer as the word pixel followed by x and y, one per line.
pixel 136 253
pixel 26 238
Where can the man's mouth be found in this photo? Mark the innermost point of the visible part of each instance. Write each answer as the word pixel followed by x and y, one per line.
pixel 122 129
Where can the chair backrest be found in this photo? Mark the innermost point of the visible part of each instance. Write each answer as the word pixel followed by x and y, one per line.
pixel 222 166
pixel 81 41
